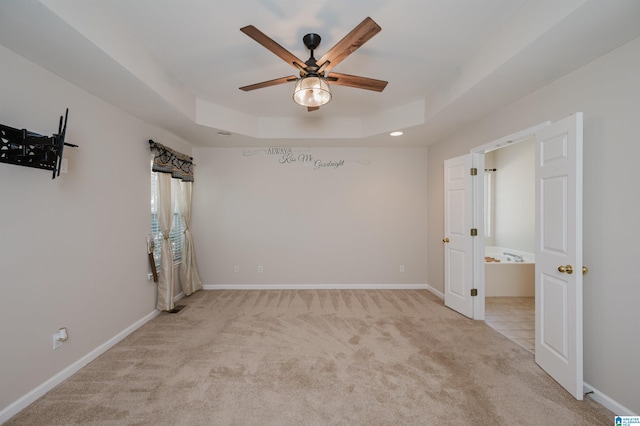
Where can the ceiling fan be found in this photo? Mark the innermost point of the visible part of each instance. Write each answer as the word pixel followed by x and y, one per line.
pixel 312 87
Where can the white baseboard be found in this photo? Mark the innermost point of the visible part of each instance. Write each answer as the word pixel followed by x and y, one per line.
pixel 607 402
pixel 316 287
pixel 436 292
pixel 324 287
pixel 15 407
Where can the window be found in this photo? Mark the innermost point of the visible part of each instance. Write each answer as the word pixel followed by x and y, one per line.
pixel 176 236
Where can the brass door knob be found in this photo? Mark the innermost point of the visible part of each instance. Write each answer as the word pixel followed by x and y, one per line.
pixel 568 269
pixel 445 240
pixel 584 270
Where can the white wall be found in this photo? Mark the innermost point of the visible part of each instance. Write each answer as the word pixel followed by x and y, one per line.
pixel 354 224
pixel 72 250
pixel 606 90
pixel 515 190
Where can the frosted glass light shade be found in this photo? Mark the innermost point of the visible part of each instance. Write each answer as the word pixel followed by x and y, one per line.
pixel 311 92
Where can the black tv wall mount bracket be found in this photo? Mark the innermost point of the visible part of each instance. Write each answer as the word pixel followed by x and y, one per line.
pixel 25 148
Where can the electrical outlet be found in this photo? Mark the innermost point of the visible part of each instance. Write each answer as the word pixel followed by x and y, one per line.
pixel 236 269
pixel 64 166
pixel 260 269
pixel 401 268
pixel 59 337
pixel 56 342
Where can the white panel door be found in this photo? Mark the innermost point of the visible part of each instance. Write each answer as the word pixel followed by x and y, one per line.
pixel 558 348
pixel 458 250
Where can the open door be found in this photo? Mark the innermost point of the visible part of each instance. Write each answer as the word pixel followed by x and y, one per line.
pixel 559 267
pixel 458 243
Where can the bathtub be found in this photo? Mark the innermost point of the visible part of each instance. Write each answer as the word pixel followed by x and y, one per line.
pixel 509 277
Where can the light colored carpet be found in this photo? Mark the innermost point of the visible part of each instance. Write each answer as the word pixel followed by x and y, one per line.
pixel 313 357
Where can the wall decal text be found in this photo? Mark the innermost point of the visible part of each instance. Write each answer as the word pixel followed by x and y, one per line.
pixel 289 155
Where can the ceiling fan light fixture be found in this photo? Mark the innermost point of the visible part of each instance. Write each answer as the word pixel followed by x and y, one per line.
pixel 311 91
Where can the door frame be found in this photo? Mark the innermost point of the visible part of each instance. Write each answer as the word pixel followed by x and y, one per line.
pixel 477 203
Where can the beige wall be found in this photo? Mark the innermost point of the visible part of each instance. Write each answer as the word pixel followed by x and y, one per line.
pixel 72 250
pixel 606 90
pixel 354 224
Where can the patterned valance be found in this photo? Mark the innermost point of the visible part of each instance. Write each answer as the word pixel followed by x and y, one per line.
pixel 166 160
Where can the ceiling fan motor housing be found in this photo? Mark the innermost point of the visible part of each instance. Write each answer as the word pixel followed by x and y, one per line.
pixel 311 41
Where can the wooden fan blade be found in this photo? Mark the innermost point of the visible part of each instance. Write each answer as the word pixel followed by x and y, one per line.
pixel 309 109
pixel 273 46
pixel 269 83
pixel 356 81
pixel 350 43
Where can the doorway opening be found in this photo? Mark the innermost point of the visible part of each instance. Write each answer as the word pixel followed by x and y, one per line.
pixel 504 206
pixel 509 240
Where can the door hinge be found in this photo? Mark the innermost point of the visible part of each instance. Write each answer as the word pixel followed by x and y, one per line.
pixel 474 292
pixel 474 232
pixel 474 171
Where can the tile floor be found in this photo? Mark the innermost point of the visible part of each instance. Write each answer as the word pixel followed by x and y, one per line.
pixel 514 317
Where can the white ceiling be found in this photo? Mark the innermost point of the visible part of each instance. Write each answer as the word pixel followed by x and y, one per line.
pixel 179 63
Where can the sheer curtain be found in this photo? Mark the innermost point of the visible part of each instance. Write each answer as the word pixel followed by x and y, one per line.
pixel 171 165
pixel 166 277
pixel 189 276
